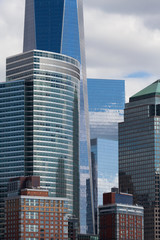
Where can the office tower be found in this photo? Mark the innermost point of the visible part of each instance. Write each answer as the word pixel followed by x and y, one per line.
pixel 57 26
pixel 106 100
pixel 119 218
pixel 39 124
pixel 104 154
pixel 32 214
pixel 139 155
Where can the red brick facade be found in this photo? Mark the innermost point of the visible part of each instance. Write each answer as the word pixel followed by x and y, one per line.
pixel 128 226
pixel 34 215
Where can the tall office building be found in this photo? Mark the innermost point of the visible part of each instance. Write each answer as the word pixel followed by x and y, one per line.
pixel 39 124
pixel 57 26
pixel 104 153
pixel 139 155
pixel 106 100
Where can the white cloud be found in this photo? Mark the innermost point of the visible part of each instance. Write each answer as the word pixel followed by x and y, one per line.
pixel 118 45
pixel 105 185
pixel 122 37
pixel 142 7
pixel 11 30
pixel 134 85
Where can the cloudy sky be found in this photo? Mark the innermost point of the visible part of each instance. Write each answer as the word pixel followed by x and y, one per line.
pixel 122 39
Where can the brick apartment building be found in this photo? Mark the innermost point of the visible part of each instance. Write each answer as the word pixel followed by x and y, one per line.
pixel 119 218
pixel 31 214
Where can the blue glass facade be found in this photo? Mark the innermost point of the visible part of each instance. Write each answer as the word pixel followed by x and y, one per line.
pixel 108 94
pixel 70 40
pixel 39 31
pixel 39 124
pixel 106 154
pixel 53 26
pixel 12 128
pixel 46 13
pixel 123 198
pixel 57 26
pixel 106 100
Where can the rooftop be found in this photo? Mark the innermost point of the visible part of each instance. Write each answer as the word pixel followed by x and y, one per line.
pixel 150 91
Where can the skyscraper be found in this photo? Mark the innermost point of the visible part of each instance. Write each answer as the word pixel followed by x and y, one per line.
pixel 57 26
pixel 139 155
pixel 39 124
pixel 106 100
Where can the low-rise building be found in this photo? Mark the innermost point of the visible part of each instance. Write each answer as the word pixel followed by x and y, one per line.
pixel 31 214
pixel 119 218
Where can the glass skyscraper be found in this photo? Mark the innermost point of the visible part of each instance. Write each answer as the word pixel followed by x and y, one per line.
pixel 106 100
pixel 39 124
pixel 139 155
pixel 57 26
pixel 105 153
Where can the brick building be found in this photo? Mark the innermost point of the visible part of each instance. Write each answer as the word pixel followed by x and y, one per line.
pixel 32 214
pixel 119 218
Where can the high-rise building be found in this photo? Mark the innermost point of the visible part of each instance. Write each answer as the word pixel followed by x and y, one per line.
pixel 106 100
pixel 104 153
pixel 139 155
pixel 119 218
pixel 32 214
pixel 57 26
pixel 39 124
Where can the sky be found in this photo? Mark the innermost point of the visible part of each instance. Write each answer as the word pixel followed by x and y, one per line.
pixel 122 39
